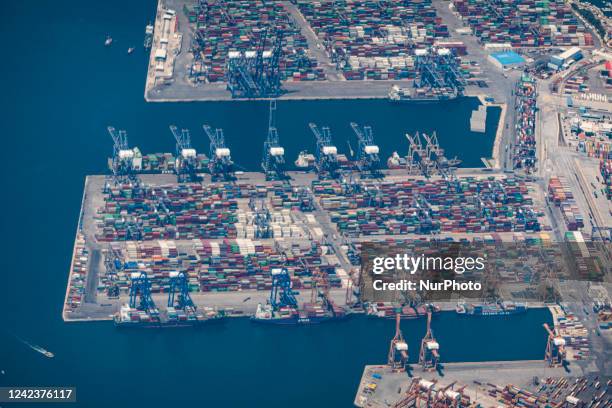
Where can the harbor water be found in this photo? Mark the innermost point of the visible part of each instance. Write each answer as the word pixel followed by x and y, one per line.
pixel 61 89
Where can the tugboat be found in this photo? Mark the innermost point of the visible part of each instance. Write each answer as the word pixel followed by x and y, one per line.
pixel 282 307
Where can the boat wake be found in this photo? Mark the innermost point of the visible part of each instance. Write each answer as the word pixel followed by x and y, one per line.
pixel 36 348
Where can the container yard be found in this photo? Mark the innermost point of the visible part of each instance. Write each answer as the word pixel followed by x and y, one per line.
pixel 526 96
pixel 213 231
pixel 225 30
pixel 523 23
pixel 306 50
pixel 369 42
pixel 566 375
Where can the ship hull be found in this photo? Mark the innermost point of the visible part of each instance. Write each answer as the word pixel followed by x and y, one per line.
pixel 164 325
pixel 301 321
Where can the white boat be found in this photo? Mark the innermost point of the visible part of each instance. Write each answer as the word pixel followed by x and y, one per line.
pixel 130 50
pixel 108 41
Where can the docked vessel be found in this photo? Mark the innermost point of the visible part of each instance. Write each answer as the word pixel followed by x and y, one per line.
pixel 388 310
pixel 282 307
pixel 490 309
pixel 395 161
pixel 130 317
pixel 148 40
pixel 305 160
pixel 421 95
pixel 292 316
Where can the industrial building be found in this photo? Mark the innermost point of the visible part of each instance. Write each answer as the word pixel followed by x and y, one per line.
pixel 567 57
pixel 506 60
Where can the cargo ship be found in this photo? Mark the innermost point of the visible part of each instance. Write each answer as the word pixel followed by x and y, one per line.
pixel 421 95
pixel 310 314
pixel 395 161
pixel 490 309
pixel 307 161
pixel 156 163
pixel 148 39
pixel 130 317
pixel 388 310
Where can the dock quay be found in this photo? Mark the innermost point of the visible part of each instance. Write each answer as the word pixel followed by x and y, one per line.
pixel 382 387
pixel 170 238
pixel 366 59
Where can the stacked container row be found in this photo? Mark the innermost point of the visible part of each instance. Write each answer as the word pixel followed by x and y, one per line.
pixel 223 27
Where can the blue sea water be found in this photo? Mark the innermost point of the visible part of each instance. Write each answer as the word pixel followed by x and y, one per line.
pixel 61 88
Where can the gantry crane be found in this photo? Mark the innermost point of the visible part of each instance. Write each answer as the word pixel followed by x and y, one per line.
pixel 281 294
pixel 368 160
pixel 220 164
pixel 256 73
pixel 427 225
pixel 180 284
pixel 273 163
pixel 122 162
pixel 261 218
pixel 327 153
pixel 113 262
pixel 447 397
pixel 306 199
pixel 555 348
pixel 140 293
pixel 429 354
pixel 186 156
pixel 418 159
pixel 398 349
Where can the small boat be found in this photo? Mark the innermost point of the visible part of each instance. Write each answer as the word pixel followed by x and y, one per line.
pixel 130 50
pixel 108 41
pixel 39 349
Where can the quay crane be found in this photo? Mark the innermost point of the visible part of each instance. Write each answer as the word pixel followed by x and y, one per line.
pixel 186 156
pixel 555 348
pixel 320 289
pixel 327 153
pixel 179 282
pixel 367 156
pixel 273 163
pixel 140 293
pixel 398 349
pixel 429 355
pixel 281 294
pixel 123 163
pixel 418 159
pixel 220 165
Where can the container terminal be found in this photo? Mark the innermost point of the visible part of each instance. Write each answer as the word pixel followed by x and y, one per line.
pixel 186 239
pixel 190 231
pixel 203 50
